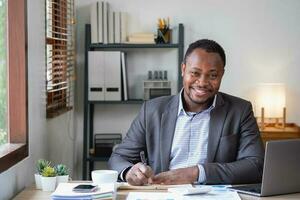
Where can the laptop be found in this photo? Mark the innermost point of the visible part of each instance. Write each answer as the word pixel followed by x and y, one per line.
pixel 281 174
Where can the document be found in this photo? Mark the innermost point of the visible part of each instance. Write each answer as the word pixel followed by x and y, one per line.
pixel 65 191
pixel 126 186
pixel 151 195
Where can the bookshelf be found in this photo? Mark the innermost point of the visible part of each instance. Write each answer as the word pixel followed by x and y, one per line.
pixel 88 126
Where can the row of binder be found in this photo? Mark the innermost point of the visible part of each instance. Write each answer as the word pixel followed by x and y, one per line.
pixel 107 26
pixel 107 77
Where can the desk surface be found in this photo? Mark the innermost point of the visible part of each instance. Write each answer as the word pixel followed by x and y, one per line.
pixel 33 194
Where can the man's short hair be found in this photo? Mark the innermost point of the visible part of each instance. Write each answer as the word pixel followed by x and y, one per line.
pixel 209 46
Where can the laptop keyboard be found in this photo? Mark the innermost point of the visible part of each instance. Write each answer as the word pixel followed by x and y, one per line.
pixel 256 188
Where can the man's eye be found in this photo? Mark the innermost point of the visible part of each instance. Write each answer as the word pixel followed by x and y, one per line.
pixel 194 73
pixel 213 76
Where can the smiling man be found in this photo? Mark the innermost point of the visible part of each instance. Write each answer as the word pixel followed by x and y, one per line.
pixel 200 135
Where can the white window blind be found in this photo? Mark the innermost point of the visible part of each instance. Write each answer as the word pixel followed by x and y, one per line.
pixel 61 61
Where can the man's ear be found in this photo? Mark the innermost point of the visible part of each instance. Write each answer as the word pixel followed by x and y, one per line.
pixel 183 66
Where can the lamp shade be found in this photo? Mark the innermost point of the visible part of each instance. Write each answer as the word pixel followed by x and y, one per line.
pixel 271 97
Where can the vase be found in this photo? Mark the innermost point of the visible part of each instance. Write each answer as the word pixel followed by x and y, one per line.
pixel 48 183
pixel 62 179
pixel 38 184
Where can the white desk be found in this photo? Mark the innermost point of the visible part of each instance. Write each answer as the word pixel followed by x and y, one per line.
pixel 33 194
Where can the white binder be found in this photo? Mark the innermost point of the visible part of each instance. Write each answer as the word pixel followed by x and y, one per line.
pixel 105 22
pixel 94 22
pixel 112 75
pixel 117 23
pixel 96 76
pixel 104 75
pixel 123 26
pixel 100 21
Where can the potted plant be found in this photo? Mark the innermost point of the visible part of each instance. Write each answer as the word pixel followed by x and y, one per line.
pixel 62 173
pixel 48 179
pixel 40 166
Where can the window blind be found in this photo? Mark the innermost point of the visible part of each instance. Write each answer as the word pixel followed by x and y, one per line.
pixel 61 61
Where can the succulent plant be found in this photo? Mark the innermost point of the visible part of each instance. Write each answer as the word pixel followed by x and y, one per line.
pixel 49 172
pixel 61 170
pixel 41 165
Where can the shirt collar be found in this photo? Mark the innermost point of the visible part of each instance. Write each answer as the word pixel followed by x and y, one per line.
pixel 181 109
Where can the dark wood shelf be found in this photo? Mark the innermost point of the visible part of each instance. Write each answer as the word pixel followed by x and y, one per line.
pixel 135 101
pixel 97 158
pixel 117 47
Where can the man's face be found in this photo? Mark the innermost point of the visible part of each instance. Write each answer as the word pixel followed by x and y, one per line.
pixel 202 75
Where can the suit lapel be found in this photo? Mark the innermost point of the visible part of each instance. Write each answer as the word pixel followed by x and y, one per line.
pixel 168 122
pixel 217 118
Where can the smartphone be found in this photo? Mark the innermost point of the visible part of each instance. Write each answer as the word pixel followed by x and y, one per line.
pixel 85 188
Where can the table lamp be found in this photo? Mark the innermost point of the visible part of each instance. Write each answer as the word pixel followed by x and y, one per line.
pixel 270 100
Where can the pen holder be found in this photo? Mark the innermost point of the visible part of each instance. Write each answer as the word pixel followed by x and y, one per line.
pixel 163 36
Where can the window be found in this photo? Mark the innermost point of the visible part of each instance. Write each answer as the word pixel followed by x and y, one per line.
pixel 60 42
pixel 3 79
pixel 16 145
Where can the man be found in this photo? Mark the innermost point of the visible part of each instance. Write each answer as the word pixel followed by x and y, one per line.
pixel 200 135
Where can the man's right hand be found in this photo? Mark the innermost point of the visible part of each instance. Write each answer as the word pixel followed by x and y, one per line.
pixel 139 174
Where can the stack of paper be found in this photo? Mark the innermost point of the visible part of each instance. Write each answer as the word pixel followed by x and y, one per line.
pixel 145 38
pixel 64 191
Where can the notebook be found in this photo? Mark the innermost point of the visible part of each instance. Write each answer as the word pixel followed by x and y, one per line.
pixel 281 170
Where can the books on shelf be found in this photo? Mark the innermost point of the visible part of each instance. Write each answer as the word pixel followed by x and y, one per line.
pixel 99 20
pixel 105 22
pixel 111 25
pixel 65 191
pixel 117 22
pixel 94 22
pixel 145 38
pixel 123 26
pixel 107 25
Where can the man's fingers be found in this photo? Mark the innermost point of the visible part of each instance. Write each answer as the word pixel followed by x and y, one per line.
pixel 146 170
pixel 139 174
pixel 141 177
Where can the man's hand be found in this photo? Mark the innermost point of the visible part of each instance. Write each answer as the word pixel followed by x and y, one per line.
pixel 177 176
pixel 139 174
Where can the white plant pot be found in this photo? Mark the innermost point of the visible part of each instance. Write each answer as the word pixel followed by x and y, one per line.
pixel 38 183
pixel 62 179
pixel 48 183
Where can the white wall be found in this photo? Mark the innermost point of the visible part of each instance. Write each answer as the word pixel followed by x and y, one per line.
pixel 21 175
pixel 260 37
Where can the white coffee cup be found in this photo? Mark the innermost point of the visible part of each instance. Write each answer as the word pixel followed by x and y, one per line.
pixel 104 176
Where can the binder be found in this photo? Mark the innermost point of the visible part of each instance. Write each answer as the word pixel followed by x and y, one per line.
pixel 117 27
pixel 94 22
pixel 112 75
pixel 95 76
pixel 124 77
pixel 111 25
pixel 104 75
pixel 105 22
pixel 123 27
pixel 100 21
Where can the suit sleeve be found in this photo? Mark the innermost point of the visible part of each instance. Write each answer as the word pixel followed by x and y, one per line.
pixel 248 166
pixel 127 153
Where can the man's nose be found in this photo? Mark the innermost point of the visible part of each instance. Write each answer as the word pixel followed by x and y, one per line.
pixel 202 80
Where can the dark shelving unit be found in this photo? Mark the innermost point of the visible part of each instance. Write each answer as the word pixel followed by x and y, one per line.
pixel 88 121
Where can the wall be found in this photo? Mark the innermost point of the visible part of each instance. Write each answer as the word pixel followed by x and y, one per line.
pixel 21 175
pixel 260 37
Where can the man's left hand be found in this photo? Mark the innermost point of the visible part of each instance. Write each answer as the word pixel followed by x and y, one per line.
pixel 177 176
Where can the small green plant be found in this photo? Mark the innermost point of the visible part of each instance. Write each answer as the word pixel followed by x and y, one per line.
pixel 41 165
pixel 49 172
pixel 61 170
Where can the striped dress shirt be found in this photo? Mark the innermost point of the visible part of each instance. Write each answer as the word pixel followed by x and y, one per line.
pixel 189 147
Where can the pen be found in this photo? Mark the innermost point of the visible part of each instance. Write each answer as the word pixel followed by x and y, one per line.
pixel 143 158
